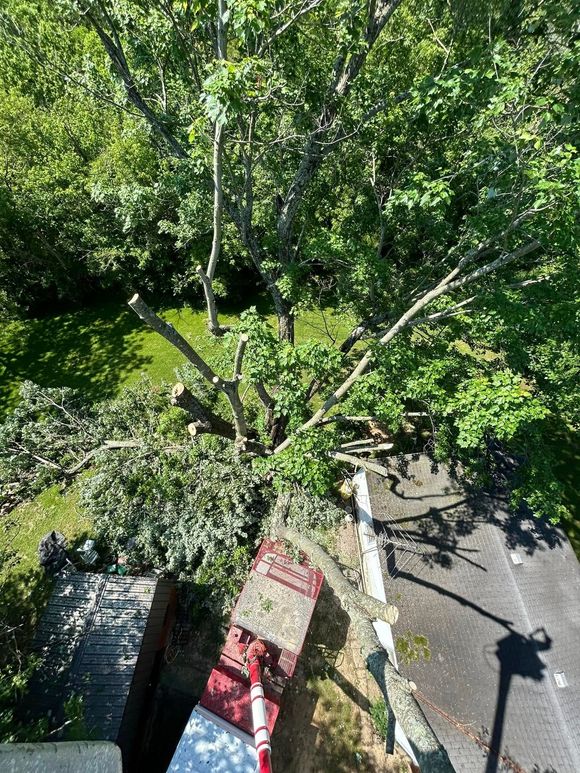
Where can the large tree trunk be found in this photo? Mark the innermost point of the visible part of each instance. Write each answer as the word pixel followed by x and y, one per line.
pixel 202 418
pixel 362 610
pixel 286 326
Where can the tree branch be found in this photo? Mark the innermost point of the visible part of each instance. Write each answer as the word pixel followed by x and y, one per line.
pixel 108 445
pixel 229 388
pixel 204 420
pixel 344 73
pixel 350 597
pixel 238 359
pixel 302 11
pixel 364 463
pixel 214 326
pixel 446 285
pixel 175 339
pixel 362 609
pixel 218 195
pixel 116 55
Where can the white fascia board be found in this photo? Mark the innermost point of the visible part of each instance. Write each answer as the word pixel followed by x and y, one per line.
pixel 373 579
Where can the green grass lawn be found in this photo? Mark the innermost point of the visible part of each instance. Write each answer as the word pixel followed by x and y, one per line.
pixel 98 351
pixel 103 348
pixel 24 586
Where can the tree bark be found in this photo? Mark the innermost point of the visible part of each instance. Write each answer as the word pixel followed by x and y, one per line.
pixel 114 49
pixel 203 419
pixel 364 463
pixel 285 323
pixel 229 388
pixel 213 324
pixel 218 196
pixel 362 609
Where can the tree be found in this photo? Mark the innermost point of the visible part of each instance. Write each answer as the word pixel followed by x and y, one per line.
pixel 422 176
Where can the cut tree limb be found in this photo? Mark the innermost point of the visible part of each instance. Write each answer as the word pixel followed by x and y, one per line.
pixel 366 449
pixel 229 388
pixel 350 596
pixel 446 285
pixel 398 693
pixel 364 463
pixel 362 609
pixel 170 334
pixel 204 420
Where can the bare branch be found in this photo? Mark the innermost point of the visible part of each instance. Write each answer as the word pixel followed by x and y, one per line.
pixel 114 49
pixel 302 11
pixel 175 339
pixel 242 343
pixel 349 595
pixel 218 200
pixel 364 463
pixel 347 419
pixel 108 445
pixel 214 326
pixel 362 609
pixel 368 448
pixel 229 388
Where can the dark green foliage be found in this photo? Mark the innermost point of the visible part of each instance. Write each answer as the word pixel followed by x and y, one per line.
pixel 186 507
pixel 13 681
pixel 220 581
pixel 311 513
pixel 304 463
pixel 47 433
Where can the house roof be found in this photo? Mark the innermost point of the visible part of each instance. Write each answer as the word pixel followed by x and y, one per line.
pixel 90 637
pixel 497 595
pixel 63 757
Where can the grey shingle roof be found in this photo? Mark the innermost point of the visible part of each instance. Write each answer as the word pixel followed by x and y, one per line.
pixel 63 757
pixel 498 632
pixel 97 638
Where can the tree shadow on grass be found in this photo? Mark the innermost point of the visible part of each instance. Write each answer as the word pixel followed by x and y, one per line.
pixel 90 350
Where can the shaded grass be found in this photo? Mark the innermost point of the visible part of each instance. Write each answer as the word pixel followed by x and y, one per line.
pixel 100 349
pixel 24 587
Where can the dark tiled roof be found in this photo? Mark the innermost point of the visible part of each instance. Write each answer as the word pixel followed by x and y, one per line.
pixel 91 637
pixel 498 632
pixel 63 757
